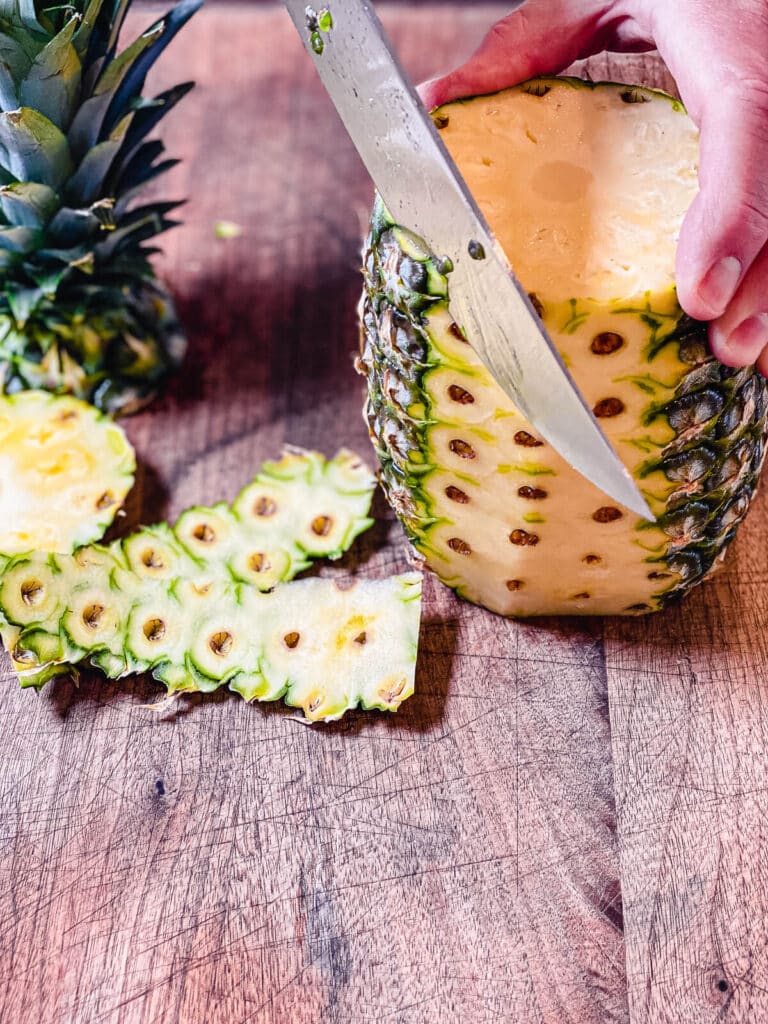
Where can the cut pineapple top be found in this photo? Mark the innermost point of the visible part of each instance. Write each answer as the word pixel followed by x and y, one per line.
pixel 575 191
pixel 65 469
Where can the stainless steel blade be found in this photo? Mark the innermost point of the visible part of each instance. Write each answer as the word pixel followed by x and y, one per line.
pixel 423 190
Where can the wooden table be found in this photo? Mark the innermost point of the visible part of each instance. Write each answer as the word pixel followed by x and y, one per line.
pixel 566 825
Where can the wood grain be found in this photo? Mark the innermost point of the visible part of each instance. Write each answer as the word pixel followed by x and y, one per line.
pixel 687 693
pixel 454 863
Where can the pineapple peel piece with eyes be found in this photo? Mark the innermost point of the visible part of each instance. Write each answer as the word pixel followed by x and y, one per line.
pixel 188 602
pixel 322 647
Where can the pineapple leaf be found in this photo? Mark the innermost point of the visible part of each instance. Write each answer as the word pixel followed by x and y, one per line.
pixel 19 239
pixel 88 124
pixel 28 204
pixel 13 56
pixel 135 178
pixel 133 82
pixel 145 118
pixel 52 84
pixel 85 185
pixel 32 148
pixel 24 10
pixel 9 97
pixel 82 37
pixel 22 302
pixel 71 227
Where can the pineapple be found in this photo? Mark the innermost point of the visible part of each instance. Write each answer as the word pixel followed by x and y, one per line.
pixel 586 187
pixel 80 309
pixel 184 601
pixel 65 470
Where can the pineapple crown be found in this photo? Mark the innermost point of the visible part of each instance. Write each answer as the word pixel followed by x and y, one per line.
pixel 74 154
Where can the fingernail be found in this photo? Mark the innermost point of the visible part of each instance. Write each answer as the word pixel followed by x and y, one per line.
pixel 749 339
pixel 719 284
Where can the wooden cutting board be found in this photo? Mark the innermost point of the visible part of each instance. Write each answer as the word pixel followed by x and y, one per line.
pixel 567 823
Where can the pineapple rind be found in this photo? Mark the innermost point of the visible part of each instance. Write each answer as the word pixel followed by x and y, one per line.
pixel 72 616
pixel 323 648
pixel 692 432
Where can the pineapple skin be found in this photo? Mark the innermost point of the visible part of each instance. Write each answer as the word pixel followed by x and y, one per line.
pixel 491 508
pixel 148 601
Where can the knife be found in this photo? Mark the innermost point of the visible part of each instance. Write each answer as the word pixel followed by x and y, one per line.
pixel 423 190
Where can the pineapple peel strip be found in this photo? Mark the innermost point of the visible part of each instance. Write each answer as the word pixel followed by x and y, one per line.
pixel 63 609
pixel 321 647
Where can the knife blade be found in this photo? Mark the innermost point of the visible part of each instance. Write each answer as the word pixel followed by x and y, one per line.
pixel 423 190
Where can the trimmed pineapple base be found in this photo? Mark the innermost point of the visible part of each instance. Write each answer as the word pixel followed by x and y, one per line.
pixel 319 646
pixel 586 188
pixel 65 470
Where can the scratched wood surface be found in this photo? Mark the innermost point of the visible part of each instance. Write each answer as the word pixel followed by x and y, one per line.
pixel 688 696
pixel 455 863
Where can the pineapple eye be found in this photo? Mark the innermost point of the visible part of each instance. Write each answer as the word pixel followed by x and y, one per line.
pixel 258 562
pixel 321 525
pixel 513 585
pixel 523 538
pixel 107 500
pixel 456 494
pixel 607 514
pixel 526 440
pixel 204 534
pixel 392 694
pixel 581 597
pixel 656 575
pixel 92 615
pixel 291 640
pixel 536 303
pixel 592 559
pixel 605 343
pixel 32 592
pixel 66 416
pixel 608 407
pixel 633 96
pixel 462 449
pixel 361 639
pixel 221 643
pixel 460 395
pixel 532 493
pixel 265 507
pixel 154 630
pixel 152 560
pixel 459 546
pixel 457 332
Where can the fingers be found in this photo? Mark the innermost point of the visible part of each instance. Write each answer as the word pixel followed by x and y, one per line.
pixel 541 38
pixel 740 336
pixel 718 60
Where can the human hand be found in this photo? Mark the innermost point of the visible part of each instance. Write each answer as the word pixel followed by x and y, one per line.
pixel 718 54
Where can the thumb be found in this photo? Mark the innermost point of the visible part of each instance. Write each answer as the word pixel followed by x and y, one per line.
pixel 541 38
